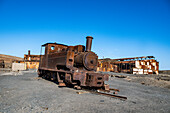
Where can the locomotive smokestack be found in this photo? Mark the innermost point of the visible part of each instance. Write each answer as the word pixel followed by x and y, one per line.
pixel 88 43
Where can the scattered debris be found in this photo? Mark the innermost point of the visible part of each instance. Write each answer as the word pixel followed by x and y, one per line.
pixel 163 77
pixel 45 108
pixel 159 81
pixel 120 76
pixel 109 93
pixel 37 78
pixel 128 79
pixel 112 75
pixel 82 92
pixel 142 83
pixel 101 100
pixel 115 93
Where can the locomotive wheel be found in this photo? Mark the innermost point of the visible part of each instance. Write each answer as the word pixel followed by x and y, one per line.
pixel 40 73
pixel 53 77
pixel 44 76
pixel 48 76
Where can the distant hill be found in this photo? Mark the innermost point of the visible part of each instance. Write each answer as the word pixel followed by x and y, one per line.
pixel 8 59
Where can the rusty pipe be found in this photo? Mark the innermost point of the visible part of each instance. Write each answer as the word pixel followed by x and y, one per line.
pixel 88 43
pixel 28 52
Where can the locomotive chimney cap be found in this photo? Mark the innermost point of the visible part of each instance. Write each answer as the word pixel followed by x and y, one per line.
pixel 89 37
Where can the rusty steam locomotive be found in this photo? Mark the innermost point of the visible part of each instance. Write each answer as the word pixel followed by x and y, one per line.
pixel 72 66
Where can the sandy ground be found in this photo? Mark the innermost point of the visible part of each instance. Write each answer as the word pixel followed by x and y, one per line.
pixel 161 80
pixel 25 92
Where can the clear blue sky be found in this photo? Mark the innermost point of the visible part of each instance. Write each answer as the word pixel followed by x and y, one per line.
pixel 121 28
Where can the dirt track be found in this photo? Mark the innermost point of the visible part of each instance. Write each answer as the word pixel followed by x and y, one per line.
pixel 24 92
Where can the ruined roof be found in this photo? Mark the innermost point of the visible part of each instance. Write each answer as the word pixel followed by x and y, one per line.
pixel 132 58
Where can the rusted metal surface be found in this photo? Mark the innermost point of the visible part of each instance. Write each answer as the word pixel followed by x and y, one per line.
pixel 87 59
pixel 106 93
pixel 115 89
pixel 72 65
pixel 135 65
pixel 89 43
pixel 111 95
pixel 62 84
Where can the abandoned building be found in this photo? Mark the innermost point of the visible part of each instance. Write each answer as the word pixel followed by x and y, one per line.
pixel 134 65
pixel 31 61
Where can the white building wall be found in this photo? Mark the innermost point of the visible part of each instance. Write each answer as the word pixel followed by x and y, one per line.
pixel 18 66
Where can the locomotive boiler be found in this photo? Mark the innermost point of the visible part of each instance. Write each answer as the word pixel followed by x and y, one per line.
pixel 72 66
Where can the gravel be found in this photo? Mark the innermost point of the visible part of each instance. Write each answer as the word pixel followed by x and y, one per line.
pixel 22 92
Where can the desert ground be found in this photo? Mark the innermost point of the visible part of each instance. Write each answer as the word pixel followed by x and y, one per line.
pixel 24 91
